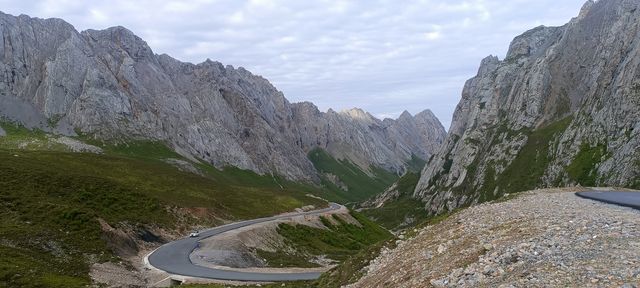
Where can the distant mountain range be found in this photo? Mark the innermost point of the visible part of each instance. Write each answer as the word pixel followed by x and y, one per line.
pixel 109 85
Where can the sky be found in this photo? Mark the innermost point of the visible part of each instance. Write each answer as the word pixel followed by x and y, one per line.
pixel 384 56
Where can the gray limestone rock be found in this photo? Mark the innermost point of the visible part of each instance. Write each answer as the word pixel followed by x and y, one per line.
pixel 109 84
pixel 586 72
pixel 364 140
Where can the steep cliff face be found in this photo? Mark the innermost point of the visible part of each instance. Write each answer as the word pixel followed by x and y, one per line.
pixel 562 108
pixel 357 136
pixel 421 133
pixel 110 84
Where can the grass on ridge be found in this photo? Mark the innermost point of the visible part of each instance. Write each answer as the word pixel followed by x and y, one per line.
pixel 286 259
pixel 50 202
pixel 395 212
pixel 582 168
pixel 338 242
pixel 19 137
pixel 528 167
pixel 415 164
pixel 360 185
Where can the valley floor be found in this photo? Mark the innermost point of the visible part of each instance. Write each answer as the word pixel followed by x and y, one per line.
pixel 540 238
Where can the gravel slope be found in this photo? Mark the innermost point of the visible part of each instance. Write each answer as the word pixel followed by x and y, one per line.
pixel 542 238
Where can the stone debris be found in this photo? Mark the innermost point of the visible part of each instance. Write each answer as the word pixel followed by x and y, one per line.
pixel 76 145
pixel 543 238
pixel 115 275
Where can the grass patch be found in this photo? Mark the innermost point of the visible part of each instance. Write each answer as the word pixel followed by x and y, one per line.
pixel 526 170
pixel 394 213
pixel 582 168
pixel 286 259
pixel 361 185
pixel 34 267
pixel 351 270
pixel 48 220
pixel 228 191
pixel 489 184
pixel 50 202
pixel 19 137
pixel 338 242
pixel 233 192
pixel 432 220
pixel 141 149
pixel 415 164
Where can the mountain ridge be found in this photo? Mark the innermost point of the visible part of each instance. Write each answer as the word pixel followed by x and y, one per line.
pixel 559 110
pixel 110 85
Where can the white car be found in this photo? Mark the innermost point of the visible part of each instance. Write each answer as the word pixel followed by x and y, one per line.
pixel 194 234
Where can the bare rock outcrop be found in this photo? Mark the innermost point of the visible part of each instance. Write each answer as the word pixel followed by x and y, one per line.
pixel 562 108
pixel 109 84
pixel 359 137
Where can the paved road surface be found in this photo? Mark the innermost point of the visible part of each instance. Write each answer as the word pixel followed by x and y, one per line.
pixel 622 198
pixel 173 257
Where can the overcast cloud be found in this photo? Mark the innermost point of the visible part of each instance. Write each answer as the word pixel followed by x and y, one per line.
pixel 384 56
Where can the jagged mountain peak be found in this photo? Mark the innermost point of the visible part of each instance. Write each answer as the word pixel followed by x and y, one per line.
pixel 531 43
pixel 405 115
pixel 358 113
pixel 109 84
pixel 561 109
pixel 427 113
pixel 585 8
pixel 119 37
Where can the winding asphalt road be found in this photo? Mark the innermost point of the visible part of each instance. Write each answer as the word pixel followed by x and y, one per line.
pixel 622 198
pixel 173 257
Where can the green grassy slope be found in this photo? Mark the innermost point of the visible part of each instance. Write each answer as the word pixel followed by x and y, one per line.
pixel 415 164
pixel 360 185
pixel 524 172
pixel 49 219
pixel 51 202
pixel 22 138
pixel 528 167
pixel 395 212
pixel 55 199
pixel 582 168
pixel 338 242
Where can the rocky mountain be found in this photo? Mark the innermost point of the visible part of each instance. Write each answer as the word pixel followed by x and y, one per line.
pixel 364 140
pixel 562 108
pixel 110 85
